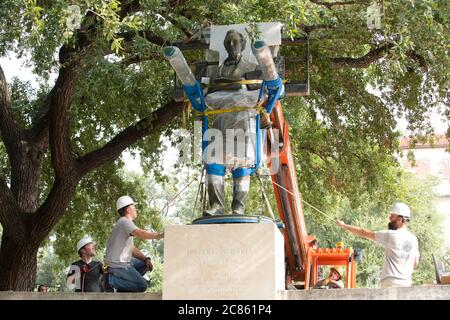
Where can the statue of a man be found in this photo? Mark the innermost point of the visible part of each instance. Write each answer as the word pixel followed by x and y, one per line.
pixel 237 129
pixel 235 65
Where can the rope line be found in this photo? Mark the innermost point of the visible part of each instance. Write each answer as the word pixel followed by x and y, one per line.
pixel 318 210
pixel 176 196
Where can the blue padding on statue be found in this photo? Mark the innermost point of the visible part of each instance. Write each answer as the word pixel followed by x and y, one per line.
pixel 215 169
pixel 274 84
pixel 274 88
pixel 193 93
pixel 242 172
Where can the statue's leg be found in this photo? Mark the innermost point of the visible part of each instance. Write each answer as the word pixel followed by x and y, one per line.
pixel 241 187
pixel 215 182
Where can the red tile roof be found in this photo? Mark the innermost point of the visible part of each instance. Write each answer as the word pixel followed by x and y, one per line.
pixel 434 141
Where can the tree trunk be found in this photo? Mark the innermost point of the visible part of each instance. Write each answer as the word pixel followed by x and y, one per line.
pixel 25 219
pixel 21 240
pixel 26 171
pixel 17 264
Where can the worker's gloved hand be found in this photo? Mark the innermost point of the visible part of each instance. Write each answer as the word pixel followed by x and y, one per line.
pixel 265 121
pixel 340 223
pixel 149 264
pixel 326 281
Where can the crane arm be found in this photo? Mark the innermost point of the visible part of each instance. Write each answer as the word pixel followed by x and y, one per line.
pixel 288 197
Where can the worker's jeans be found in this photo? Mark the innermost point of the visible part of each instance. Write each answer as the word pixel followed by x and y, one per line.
pixel 129 279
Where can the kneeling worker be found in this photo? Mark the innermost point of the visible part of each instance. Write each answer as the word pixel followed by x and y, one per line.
pixel 127 264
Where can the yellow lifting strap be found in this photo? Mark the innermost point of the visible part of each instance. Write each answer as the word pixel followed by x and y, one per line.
pixel 187 106
pixel 224 84
pixel 258 107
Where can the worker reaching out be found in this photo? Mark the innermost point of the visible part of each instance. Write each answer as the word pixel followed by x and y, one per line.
pixel 401 249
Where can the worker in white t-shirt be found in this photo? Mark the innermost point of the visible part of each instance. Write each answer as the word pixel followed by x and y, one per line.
pixel 126 264
pixel 401 249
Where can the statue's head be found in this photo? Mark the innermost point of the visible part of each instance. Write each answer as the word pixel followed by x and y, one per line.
pixel 234 43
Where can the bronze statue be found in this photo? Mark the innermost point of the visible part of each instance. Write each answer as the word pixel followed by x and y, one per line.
pixel 228 94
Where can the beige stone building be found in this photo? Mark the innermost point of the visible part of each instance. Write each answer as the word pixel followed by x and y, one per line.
pixel 431 158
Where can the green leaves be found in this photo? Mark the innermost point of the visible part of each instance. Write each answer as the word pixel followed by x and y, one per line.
pixel 253 32
pixel 33 11
pixel 343 134
pixel 116 45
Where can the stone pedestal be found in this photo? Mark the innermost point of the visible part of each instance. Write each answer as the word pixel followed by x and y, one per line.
pixel 223 261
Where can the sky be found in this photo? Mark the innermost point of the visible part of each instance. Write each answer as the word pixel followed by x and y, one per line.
pixel 13 67
pixel 437 121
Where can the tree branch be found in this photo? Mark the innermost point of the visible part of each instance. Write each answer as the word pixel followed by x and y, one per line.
pixel 38 134
pixel 10 130
pixel 136 58
pixel 24 157
pixel 61 151
pixel 374 55
pixel 177 3
pixel 63 160
pixel 173 21
pixel 418 58
pixel 364 61
pixel 310 28
pixel 329 5
pixel 127 137
pixel 147 34
pixel 9 217
pixel 129 7
pixel 53 208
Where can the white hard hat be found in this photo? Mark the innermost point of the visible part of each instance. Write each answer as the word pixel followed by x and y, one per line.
pixel 84 242
pixel 401 209
pixel 124 201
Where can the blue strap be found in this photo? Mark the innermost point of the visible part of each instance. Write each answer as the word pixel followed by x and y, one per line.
pixel 219 170
pixel 194 93
pixel 242 172
pixel 274 89
pixel 258 141
pixel 215 169
pixel 205 125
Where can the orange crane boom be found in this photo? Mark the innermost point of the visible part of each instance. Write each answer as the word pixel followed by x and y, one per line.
pixel 288 197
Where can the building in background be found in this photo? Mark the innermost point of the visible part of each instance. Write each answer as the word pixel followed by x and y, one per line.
pixel 431 158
